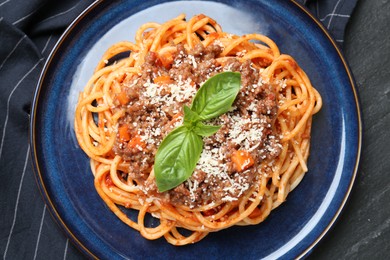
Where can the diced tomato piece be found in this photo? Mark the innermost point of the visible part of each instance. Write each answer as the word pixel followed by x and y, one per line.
pixel 123 98
pixel 242 160
pixel 163 79
pixel 136 142
pixel 166 59
pixel 123 132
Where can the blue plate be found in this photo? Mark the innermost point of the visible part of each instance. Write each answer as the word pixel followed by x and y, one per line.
pixel 292 230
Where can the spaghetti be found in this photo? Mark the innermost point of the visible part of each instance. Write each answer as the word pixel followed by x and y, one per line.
pixel 245 170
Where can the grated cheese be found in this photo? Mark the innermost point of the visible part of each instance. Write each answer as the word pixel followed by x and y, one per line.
pixel 247 131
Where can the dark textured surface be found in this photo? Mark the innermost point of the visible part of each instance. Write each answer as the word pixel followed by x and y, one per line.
pixel 28 231
pixel 363 229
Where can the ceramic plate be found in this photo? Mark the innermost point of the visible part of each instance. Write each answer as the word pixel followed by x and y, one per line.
pixel 292 230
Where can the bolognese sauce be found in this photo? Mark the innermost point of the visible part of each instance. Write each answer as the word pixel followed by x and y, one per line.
pixel 230 161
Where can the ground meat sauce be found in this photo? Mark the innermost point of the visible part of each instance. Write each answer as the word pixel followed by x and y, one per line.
pixel 156 107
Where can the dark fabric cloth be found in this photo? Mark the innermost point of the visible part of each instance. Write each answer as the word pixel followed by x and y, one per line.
pixel 334 14
pixel 28 32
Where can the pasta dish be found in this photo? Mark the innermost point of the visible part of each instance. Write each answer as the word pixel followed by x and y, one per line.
pixel 195 128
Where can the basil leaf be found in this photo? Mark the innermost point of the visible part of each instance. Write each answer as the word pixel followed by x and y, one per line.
pixel 192 122
pixel 205 130
pixel 180 150
pixel 216 95
pixel 190 117
pixel 176 158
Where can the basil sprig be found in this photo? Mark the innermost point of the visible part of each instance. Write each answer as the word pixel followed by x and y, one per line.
pixel 180 150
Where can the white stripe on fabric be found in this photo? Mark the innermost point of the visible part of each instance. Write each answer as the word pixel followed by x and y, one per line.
pixel 337 15
pixel 17 203
pixel 59 14
pixel 6 1
pixel 8 101
pixel 47 43
pixel 12 51
pixel 39 233
pixel 66 249
pixel 24 17
pixel 332 14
